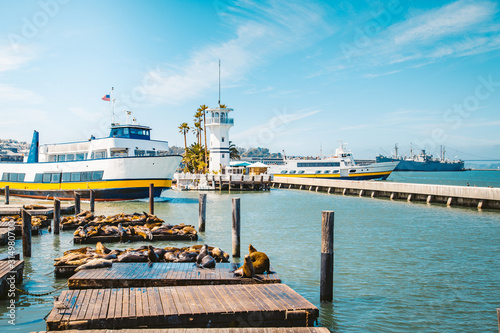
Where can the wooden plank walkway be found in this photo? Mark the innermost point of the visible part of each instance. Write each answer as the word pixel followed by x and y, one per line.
pixel 257 305
pixel 10 269
pixel 139 274
pixel 207 330
pixel 135 238
pixel 6 210
pixel 18 229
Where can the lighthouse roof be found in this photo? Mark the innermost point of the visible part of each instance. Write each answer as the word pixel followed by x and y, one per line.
pixel 218 109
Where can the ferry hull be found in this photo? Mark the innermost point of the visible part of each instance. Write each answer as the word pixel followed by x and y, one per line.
pixel 119 194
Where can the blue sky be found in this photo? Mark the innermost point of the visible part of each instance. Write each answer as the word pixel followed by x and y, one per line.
pixel 299 75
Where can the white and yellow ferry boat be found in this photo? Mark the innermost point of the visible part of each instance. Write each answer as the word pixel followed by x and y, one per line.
pixel 340 166
pixel 119 167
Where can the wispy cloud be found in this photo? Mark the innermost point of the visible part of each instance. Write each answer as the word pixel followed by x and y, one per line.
pixel 263 31
pixel 462 28
pixel 13 94
pixel 15 56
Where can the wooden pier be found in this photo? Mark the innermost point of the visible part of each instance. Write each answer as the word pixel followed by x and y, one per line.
pixel 224 182
pixel 10 271
pixel 465 196
pixel 123 275
pixel 6 210
pixel 203 306
pixel 134 238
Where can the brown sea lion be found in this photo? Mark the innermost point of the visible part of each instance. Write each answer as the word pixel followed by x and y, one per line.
pixel 247 270
pixel 101 249
pixel 203 253
pixel 95 263
pixel 152 256
pixel 260 260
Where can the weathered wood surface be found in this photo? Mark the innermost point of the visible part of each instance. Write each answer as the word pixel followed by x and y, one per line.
pixel 9 269
pixel 48 211
pixel 327 238
pixel 4 236
pixel 6 256
pixel 257 305
pixel 139 274
pixel 206 330
pixel 134 238
pixel 18 228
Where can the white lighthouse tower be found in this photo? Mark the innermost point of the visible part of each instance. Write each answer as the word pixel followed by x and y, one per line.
pixel 219 124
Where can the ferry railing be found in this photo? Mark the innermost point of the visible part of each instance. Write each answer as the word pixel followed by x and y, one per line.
pixel 229 121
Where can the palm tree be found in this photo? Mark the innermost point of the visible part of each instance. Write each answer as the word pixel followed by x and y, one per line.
pixel 222 106
pixel 196 130
pixel 202 108
pixel 194 159
pixel 184 129
pixel 234 154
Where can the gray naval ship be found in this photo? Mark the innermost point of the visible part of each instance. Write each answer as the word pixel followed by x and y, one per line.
pixel 422 161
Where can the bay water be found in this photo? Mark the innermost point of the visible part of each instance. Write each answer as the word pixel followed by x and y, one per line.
pixel 399 266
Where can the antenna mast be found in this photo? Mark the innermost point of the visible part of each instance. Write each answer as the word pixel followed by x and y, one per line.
pixel 219 84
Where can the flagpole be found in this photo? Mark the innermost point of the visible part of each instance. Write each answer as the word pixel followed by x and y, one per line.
pixel 112 106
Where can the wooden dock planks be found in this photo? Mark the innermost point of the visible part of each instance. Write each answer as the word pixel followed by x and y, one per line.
pixel 207 330
pixel 10 269
pixel 139 274
pixel 200 306
pixel 135 238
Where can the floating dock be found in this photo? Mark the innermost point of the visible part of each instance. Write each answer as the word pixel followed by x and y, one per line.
pixel 6 210
pixel 10 270
pixel 257 305
pixel 139 274
pixel 134 238
pixel 466 196
pixel 207 330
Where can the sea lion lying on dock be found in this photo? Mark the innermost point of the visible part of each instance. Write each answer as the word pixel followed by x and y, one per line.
pixel 260 260
pixel 94 263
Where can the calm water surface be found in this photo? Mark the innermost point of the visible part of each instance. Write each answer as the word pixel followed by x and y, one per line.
pixel 399 267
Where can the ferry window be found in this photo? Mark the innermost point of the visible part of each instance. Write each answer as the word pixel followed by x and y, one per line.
pixel 125 131
pixel 38 178
pixel 318 171
pixel 151 153
pixel 327 171
pixel 75 177
pixel 61 158
pixel 5 177
pixel 133 131
pixel 162 153
pixel 56 178
pixel 117 132
pixel 301 171
pixel 52 158
pixel 139 152
pixel 293 171
pixel 70 157
pixel 147 132
pixel 13 177
pixel 284 171
pixel 335 171
pixel 352 170
pixel 86 176
pixel 80 157
pixel 46 178
pixel 66 177
pixel 20 177
pixel 99 154
pixel 97 175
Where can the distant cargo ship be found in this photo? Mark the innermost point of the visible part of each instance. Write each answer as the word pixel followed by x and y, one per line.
pixel 421 162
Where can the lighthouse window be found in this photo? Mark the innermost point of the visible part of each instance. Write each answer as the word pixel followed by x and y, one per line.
pixel 222 155
pixel 222 139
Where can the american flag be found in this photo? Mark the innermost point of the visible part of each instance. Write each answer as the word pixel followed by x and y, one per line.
pixel 106 98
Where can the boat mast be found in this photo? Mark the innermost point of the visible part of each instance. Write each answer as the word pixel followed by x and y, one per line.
pixel 219 84
pixel 396 151
pixel 112 106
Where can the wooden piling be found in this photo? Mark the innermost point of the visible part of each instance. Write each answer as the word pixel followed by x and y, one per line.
pixel 7 194
pixel 203 212
pixel 77 203
pixel 236 227
pixel 26 233
pixel 92 201
pixel 498 318
pixel 57 215
pixel 326 282
pixel 151 199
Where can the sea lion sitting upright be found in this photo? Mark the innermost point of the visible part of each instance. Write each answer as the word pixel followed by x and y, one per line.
pixel 203 253
pixel 101 249
pixel 152 256
pixel 247 270
pixel 260 260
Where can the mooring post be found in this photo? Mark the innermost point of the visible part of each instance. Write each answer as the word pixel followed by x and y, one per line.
pixel 92 201
pixel 26 233
pixel 7 190
pixel 77 203
pixel 203 212
pixel 236 227
pixel 326 282
pixel 151 199
pixel 57 215
pixel 498 318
